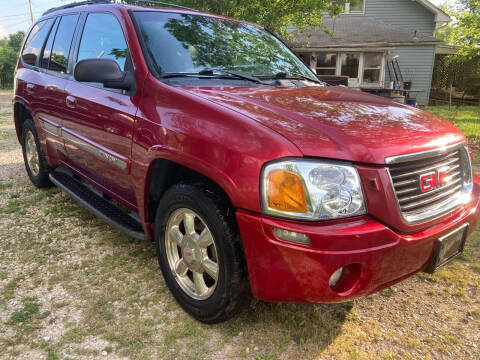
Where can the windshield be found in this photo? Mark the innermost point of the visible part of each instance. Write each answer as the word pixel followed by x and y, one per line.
pixel 184 43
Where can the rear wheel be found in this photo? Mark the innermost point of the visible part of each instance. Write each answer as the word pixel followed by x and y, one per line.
pixel 200 253
pixel 35 164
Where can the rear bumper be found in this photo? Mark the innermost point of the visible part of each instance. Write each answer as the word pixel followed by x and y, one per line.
pixel 283 272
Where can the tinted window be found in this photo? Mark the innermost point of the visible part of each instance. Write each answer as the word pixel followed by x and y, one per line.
pixel 48 47
pixel 183 43
pixel 103 39
pixel 35 41
pixel 62 43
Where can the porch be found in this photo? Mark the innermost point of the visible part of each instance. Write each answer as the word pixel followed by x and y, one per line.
pixel 361 49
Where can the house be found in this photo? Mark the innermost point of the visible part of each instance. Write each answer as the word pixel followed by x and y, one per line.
pixel 371 32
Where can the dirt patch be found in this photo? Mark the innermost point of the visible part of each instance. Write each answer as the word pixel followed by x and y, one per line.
pixel 73 287
pixel 5 103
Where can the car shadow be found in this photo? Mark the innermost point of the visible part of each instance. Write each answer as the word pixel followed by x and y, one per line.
pixel 281 323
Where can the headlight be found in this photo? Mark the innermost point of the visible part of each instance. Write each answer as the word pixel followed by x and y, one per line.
pixel 312 190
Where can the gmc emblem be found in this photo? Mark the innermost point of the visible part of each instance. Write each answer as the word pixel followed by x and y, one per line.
pixel 434 180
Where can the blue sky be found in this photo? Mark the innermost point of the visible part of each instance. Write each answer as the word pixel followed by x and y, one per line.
pixel 15 14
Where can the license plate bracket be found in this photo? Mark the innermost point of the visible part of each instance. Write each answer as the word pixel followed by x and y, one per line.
pixel 447 248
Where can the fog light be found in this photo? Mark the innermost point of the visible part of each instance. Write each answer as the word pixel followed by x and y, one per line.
pixel 292 236
pixel 335 277
pixel 346 279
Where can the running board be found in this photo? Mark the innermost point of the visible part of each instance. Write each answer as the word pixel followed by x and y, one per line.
pixel 98 205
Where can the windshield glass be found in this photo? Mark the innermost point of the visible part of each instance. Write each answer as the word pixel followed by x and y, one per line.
pixel 183 43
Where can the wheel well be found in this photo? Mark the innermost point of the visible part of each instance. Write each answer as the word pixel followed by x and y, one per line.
pixel 20 113
pixel 165 173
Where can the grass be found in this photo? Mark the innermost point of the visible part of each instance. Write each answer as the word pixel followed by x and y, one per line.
pixel 466 118
pixel 72 287
pixel 24 315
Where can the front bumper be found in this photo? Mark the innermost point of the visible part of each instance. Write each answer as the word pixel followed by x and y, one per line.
pixel 284 272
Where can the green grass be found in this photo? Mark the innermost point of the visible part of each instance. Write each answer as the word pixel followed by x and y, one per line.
pixel 23 315
pixel 466 118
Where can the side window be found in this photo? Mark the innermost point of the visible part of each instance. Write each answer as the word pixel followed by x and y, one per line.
pixel 48 47
pixel 62 43
pixel 103 39
pixel 33 45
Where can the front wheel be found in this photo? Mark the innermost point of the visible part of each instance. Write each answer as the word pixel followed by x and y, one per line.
pixel 199 252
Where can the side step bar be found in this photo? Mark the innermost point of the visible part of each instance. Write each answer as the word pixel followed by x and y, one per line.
pixel 98 205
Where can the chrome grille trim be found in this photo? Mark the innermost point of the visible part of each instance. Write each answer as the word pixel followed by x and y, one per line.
pixel 422 155
pixel 405 170
pixel 427 169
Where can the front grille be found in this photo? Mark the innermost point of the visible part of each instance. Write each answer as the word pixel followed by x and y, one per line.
pixel 407 171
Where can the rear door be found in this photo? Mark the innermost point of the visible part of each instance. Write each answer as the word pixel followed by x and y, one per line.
pixel 51 97
pixel 99 124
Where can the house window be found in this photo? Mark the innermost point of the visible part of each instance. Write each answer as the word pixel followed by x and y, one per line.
pixel 357 6
pixel 372 67
pixel 364 69
pixel 305 57
pixel 326 64
pixel 350 64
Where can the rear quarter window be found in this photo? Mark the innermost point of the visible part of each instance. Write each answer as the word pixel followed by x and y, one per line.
pixel 36 39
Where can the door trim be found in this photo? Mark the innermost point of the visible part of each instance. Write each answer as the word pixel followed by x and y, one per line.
pixel 96 149
pixel 51 127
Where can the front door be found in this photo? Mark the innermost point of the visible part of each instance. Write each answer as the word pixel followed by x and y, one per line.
pixel 99 126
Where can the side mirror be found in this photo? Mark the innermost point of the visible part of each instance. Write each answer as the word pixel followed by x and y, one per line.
pixel 104 71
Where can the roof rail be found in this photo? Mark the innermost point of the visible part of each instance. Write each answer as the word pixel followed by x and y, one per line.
pixel 167 4
pixel 93 2
pixel 75 4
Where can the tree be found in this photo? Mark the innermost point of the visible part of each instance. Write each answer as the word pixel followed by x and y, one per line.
pixel 461 70
pixel 15 40
pixel 465 30
pixel 9 50
pixel 275 15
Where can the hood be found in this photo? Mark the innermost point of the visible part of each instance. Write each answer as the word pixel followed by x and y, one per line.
pixel 338 123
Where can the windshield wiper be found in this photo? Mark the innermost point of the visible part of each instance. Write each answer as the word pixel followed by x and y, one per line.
pixel 284 76
pixel 210 73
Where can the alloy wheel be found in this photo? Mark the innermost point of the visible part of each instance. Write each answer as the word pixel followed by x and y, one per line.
pixel 192 254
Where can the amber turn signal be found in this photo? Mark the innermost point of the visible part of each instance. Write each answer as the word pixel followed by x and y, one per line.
pixel 285 192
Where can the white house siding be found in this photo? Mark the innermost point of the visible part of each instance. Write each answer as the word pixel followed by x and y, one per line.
pixel 417 62
pixel 408 14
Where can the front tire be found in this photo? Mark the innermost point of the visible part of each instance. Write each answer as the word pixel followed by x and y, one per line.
pixel 35 163
pixel 200 253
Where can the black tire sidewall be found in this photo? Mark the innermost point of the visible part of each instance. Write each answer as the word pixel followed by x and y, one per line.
pixel 42 179
pixel 188 197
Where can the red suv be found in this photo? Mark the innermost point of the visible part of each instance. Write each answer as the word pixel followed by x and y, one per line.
pixel 209 136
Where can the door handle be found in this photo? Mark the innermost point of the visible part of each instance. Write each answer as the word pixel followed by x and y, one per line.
pixel 30 88
pixel 52 88
pixel 70 100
